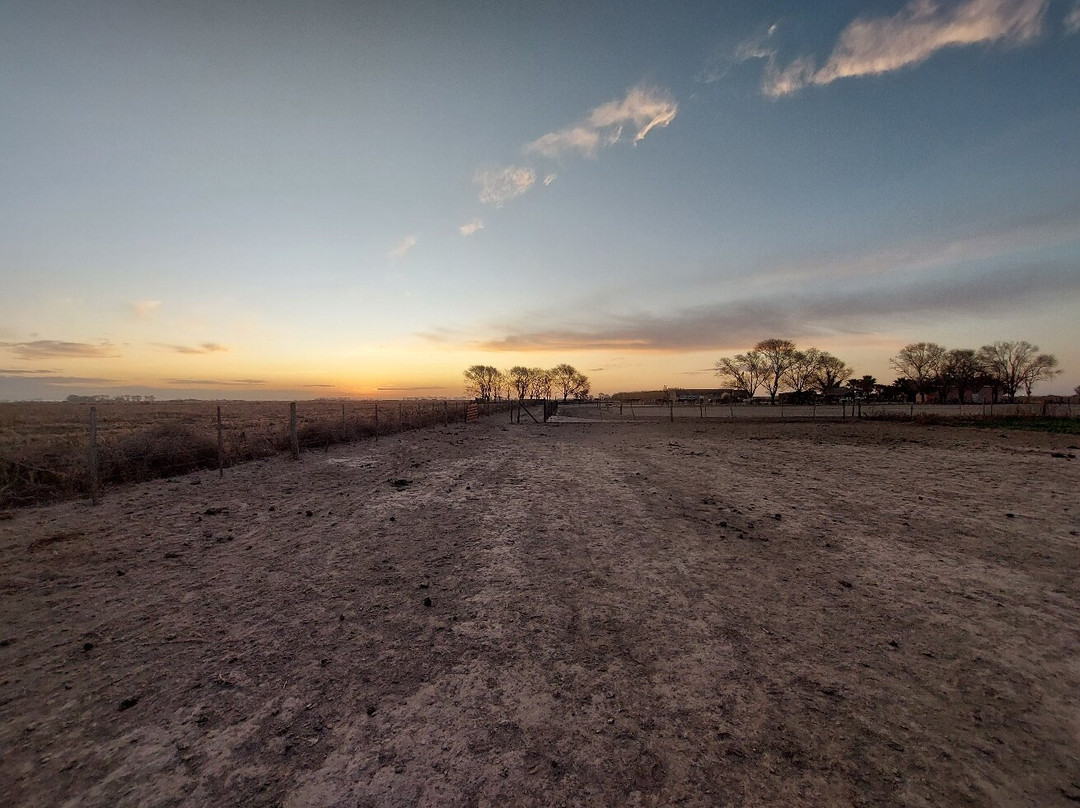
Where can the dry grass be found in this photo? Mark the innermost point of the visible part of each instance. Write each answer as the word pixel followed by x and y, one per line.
pixel 44 446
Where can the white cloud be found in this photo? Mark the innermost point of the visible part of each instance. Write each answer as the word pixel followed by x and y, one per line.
pixel 870 47
pixel 144 309
pixel 754 47
pixel 1072 19
pixel 642 107
pixel 403 247
pixel 549 178
pixel 499 185
pixel 471 226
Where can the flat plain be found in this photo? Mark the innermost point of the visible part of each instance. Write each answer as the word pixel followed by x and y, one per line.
pixel 572 613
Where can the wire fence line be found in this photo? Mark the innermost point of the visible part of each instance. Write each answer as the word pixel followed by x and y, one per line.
pixel 51 451
pixel 670 411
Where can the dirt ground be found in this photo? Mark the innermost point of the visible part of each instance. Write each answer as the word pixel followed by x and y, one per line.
pixel 562 614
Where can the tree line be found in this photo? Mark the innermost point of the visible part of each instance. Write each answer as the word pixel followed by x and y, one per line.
pixel 1004 367
pixel 488 383
pixel 925 367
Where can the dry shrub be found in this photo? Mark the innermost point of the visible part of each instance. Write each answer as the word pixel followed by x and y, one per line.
pixel 164 450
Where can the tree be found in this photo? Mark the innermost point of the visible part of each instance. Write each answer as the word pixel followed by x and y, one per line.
pixel 865 385
pixel 569 381
pixel 521 379
pixel 777 356
pixel 920 362
pixel 831 372
pixel 1017 364
pixel 481 381
pixel 540 383
pixel 1043 369
pixel 501 386
pixel 742 371
pixel 960 368
pixel 800 376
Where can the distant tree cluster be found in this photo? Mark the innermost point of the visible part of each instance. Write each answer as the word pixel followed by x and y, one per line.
pixel 75 399
pixel 778 363
pixel 491 384
pixel 1004 367
pixel 926 368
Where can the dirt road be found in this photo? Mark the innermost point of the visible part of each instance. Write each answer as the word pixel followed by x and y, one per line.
pixel 561 614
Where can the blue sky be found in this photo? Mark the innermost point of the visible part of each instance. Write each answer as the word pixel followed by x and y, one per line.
pixel 287 200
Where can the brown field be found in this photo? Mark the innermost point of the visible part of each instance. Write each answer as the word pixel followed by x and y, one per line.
pixel 781 614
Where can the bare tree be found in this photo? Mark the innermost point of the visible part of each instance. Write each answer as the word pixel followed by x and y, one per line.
pixel 961 369
pixel 569 381
pixel 800 375
pixel 521 378
pixel 480 380
pixel 742 371
pixel 777 356
pixel 1017 364
pixel 1043 369
pixel 831 372
pixel 540 383
pixel 920 362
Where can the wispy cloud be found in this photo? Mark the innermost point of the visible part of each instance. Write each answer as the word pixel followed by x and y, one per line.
pixel 550 178
pixel 78 381
pixel 42 348
pixel 643 108
pixel 499 185
pixel 870 47
pixel 1072 19
pixel 217 382
pixel 409 389
pixel 319 385
pixel 403 247
pixel 758 46
pixel 20 372
pixel 807 310
pixel 470 227
pixel 145 309
pixel 202 348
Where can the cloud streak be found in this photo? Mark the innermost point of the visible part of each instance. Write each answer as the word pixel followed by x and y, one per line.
pixel 217 382
pixel 145 309
pixel 202 348
pixel 499 185
pixel 471 227
pixel 869 47
pixel 1072 19
pixel 43 348
pixel 642 108
pixel 810 311
pixel 403 247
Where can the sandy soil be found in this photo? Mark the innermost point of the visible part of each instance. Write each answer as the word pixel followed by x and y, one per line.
pixel 563 614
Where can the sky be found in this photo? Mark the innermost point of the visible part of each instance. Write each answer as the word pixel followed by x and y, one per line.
pixel 295 200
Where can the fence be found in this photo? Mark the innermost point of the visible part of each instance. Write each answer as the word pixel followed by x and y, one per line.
pixel 52 451
pixel 670 411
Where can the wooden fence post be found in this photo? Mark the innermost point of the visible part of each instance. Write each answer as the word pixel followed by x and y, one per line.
pixel 671 410
pixel 400 417
pixel 94 497
pixel 376 422
pixel 343 420
pixel 294 440
pixel 220 447
pixel 445 413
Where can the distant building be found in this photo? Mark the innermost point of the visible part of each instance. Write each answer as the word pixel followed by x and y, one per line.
pixel 682 395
